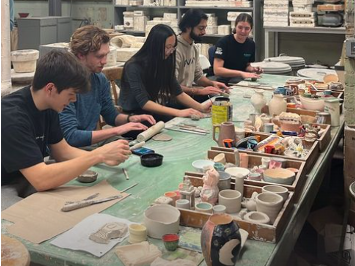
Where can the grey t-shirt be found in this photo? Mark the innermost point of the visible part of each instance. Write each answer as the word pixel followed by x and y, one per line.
pixel 133 94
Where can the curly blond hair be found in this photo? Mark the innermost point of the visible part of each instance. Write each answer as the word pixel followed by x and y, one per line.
pixel 88 39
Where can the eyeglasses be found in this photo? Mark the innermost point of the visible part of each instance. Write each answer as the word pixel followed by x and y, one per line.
pixel 170 49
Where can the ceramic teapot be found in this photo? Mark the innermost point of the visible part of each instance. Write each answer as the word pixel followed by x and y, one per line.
pixel 226 131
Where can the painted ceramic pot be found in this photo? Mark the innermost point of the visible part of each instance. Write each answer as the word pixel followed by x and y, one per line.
pixel 220 240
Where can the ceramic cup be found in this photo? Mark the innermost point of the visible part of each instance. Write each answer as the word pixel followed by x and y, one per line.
pixel 270 204
pixel 228 143
pixel 172 195
pixel 204 207
pixel 137 233
pixel 239 133
pixel 231 199
pixel 218 166
pixel 265 162
pixel 224 180
pixel 182 204
pixel 219 209
pixel 280 190
pixel 220 158
pixel 268 127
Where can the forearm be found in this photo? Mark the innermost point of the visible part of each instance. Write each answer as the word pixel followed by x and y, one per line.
pixel 186 100
pixel 121 119
pixel 204 82
pixel 156 108
pixel 249 68
pixel 44 177
pixel 103 134
pixel 191 90
pixel 228 73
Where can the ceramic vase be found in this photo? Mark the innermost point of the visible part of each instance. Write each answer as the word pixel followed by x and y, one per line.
pixel 220 240
pixel 258 100
pixel 277 105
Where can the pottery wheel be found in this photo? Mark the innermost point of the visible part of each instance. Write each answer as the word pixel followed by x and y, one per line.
pixel 21 77
pixel 162 137
pixel 315 73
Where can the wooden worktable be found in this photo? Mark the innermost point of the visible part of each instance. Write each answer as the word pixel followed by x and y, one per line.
pixel 179 153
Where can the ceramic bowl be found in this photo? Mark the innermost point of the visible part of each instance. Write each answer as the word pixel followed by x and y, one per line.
pixel 312 104
pixel 279 176
pixel 204 207
pixel 87 177
pixel 235 171
pixel 202 165
pixel 257 217
pixel 161 219
pixel 171 241
pixel 282 191
pixel 23 15
pixel 224 180
pixel 151 159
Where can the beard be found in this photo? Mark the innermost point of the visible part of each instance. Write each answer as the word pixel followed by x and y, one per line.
pixel 196 38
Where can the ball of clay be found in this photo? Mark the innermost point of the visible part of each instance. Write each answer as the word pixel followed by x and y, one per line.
pixel 195 117
pixel 87 177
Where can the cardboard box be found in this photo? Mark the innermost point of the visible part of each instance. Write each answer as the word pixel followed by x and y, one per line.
pixel 328 224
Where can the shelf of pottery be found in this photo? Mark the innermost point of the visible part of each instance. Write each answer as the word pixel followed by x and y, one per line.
pixel 137 17
pixel 302 13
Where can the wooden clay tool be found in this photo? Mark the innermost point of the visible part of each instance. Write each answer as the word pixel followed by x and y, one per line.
pixel 85 203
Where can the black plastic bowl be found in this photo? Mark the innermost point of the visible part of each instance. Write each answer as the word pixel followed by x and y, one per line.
pixel 151 159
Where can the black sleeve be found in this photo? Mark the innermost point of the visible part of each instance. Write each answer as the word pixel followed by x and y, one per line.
pixel 55 131
pixel 221 49
pixel 19 149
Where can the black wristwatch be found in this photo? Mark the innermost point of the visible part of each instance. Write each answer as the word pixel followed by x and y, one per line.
pixel 128 116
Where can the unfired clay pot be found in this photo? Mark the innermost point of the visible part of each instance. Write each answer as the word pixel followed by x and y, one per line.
pixel 258 100
pixel 270 204
pixel 231 199
pixel 161 219
pixel 257 217
pixel 277 105
pixel 24 61
pixel 220 240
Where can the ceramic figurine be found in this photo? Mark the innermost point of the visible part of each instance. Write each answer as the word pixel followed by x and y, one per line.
pixel 210 189
pixel 188 192
pixel 220 240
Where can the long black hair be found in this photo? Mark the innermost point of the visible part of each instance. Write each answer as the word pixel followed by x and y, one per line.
pixel 158 73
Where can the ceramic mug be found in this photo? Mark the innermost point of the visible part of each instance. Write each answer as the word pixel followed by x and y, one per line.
pixel 269 149
pixel 231 199
pixel 228 143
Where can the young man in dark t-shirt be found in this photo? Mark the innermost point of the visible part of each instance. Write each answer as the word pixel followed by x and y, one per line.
pixel 235 52
pixel 30 125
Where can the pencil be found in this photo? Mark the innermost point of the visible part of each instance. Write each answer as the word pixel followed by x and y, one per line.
pixel 125 173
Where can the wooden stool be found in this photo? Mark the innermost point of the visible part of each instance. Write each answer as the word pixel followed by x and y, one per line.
pixel 13 252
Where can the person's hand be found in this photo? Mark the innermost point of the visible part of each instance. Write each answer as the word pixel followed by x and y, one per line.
pixel 210 90
pixel 206 107
pixel 114 153
pixel 189 112
pixel 257 70
pixel 221 86
pixel 141 118
pixel 246 75
pixel 120 130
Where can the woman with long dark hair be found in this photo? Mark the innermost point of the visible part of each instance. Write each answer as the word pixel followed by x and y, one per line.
pixel 149 83
pixel 235 52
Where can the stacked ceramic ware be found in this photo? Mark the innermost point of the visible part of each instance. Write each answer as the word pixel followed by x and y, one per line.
pixel 276 13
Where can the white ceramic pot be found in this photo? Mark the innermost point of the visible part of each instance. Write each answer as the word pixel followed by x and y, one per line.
pixel 219 209
pixel 258 100
pixel 24 61
pixel 231 199
pixel 256 217
pixel 182 204
pixel 282 191
pixel 161 219
pixel 277 105
pixel 270 204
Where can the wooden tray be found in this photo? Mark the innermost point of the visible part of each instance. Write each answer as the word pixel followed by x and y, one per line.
pixel 309 159
pixel 255 160
pixel 261 232
pixel 323 140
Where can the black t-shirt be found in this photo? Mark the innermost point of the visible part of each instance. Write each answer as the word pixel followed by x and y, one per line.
pixel 25 133
pixel 236 55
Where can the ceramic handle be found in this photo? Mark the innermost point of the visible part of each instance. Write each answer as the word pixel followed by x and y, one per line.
pixel 214 132
pixel 150 132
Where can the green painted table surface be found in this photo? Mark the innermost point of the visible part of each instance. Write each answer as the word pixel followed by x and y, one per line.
pixel 179 153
